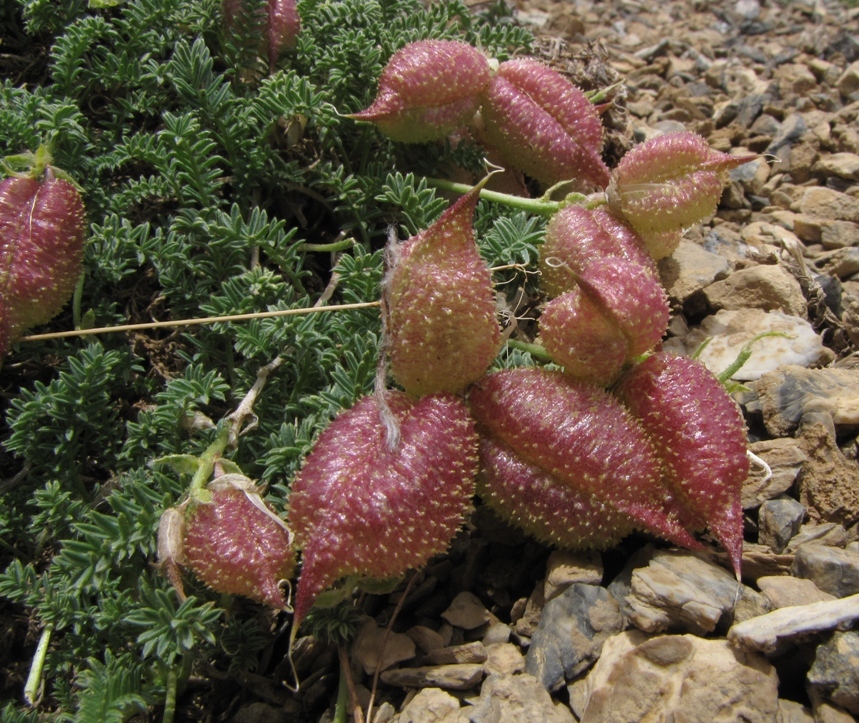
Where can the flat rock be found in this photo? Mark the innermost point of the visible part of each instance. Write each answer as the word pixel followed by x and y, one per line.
pixel 679 677
pixel 789 711
pixel 466 612
pixel 425 638
pixel 564 568
pixel 571 633
pixel 785 459
pixel 432 705
pixel 503 659
pixel 827 203
pixel 789 393
pixel 787 591
pixel 689 269
pixel 833 570
pixel 730 331
pixel 371 641
pixel 517 699
pixel 770 288
pixel 680 591
pixel 466 653
pixel 448 677
pixel 778 521
pixel 835 672
pixel 843 165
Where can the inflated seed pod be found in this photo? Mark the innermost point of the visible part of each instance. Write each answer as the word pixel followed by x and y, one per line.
pixel 362 508
pixel 581 436
pixel 439 306
pixel 699 437
pixel 428 89
pixel 544 125
pixel 669 183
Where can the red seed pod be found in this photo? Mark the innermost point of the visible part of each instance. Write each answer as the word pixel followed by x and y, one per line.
pixel 577 236
pixel 581 436
pixel 284 25
pixel 236 544
pixel 544 125
pixel 361 508
pixel 699 436
pixel 618 312
pixel 41 251
pixel 669 183
pixel 551 511
pixel 428 89
pixel 440 306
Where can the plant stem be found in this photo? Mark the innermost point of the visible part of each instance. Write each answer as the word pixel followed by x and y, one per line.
pixel 532 205
pixel 332 247
pixel 170 697
pixel 535 350
pixel 34 679
pixel 207 463
pixel 76 302
pixel 341 710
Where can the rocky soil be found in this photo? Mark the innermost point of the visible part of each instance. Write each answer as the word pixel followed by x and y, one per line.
pixel 502 629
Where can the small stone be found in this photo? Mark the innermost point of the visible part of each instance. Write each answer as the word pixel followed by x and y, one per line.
pixel 563 568
pixel 842 263
pixel 466 653
pixel 687 678
pixel 466 612
pixel 448 677
pixel 785 459
pixel 425 638
pixel 680 591
pixel 833 570
pixel 432 705
pixel 787 591
pixel 789 711
pixel 839 234
pixel 571 633
pixel 730 331
pixel 843 165
pixel 848 81
pixel 503 659
pixel 778 521
pixel 517 699
pixel 771 288
pixel 533 609
pixel 829 534
pixel 689 269
pixel 371 640
pixel 766 632
pixel 795 78
pixel 826 203
pixel 835 672
pixel 497 633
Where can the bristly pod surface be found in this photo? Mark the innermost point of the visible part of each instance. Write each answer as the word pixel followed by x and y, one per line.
pixel 236 544
pixel 544 125
pixel 618 311
pixel 360 508
pixel 699 436
pixel 428 89
pixel 576 237
pixel 439 306
pixel 42 232
pixel 578 435
pixel 669 183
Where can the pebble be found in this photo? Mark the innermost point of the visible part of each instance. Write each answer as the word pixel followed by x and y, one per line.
pixel 828 203
pixel 785 459
pixel 835 671
pixel 833 570
pixel 503 659
pixel 790 711
pixel 425 638
pixel 788 591
pixel 778 521
pixel 760 287
pixel 571 634
pixel 448 677
pixel 466 612
pixel 687 678
pixel 564 568
pixel 517 699
pixel 371 640
pixel 689 269
pixel 466 653
pixel 432 705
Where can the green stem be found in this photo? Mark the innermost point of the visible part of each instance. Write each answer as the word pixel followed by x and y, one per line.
pixel 535 350
pixel 532 205
pixel 332 247
pixel 34 679
pixel 207 463
pixel 341 708
pixel 170 697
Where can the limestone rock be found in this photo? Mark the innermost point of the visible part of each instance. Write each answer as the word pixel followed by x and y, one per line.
pixel 425 638
pixel 790 711
pixel 833 570
pixel 563 568
pixel 448 677
pixel 689 269
pixel 770 288
pixel 835 672
pixel 571 633
pixel 843 165
pixel 517 699
pixel 432 705
pixel 788 591
pixel 679 677
pixel 465 653
pixel 370 642
pixel 466 612
pixel 827 203
pixel 503 659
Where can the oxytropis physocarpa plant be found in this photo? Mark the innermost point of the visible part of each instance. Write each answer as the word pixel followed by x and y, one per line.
pixel 616 436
